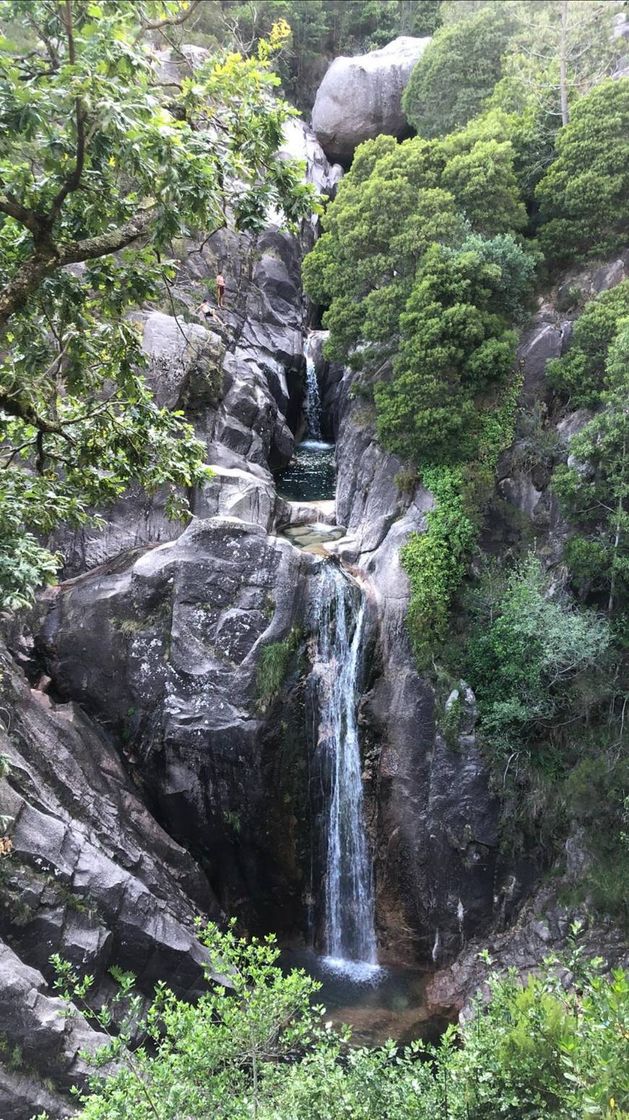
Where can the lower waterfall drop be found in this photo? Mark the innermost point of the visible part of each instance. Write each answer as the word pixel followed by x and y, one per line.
pixel 348 920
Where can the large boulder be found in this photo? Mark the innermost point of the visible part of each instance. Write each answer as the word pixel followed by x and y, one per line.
pixel 361 97
pixel 169 650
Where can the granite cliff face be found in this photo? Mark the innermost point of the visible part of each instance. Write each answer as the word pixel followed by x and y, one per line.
pixel 158 771
pixel 150 707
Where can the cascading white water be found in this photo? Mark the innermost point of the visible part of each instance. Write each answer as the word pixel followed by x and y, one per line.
pixel 349 929
pixel 310 475
pixel 313 397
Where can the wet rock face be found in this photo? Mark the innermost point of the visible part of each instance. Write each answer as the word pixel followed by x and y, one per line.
pixel 432 820
pixel 361 97
pixel 543 930
pixel 90 875
pixel 167 651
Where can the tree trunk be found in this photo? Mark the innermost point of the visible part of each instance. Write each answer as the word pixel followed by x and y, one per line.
pixel 563 63
pixel 617 534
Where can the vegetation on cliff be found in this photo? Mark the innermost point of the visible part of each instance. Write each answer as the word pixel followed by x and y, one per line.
pixel 426 268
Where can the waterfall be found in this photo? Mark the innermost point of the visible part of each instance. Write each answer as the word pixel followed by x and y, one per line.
pixel 349 932
pixel 313 398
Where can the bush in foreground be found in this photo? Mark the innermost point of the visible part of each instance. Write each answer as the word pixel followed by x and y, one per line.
pixel 263 1050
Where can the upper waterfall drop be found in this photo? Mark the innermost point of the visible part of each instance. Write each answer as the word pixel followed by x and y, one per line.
pixel 349 910
pixel 313 397
pixel 310 476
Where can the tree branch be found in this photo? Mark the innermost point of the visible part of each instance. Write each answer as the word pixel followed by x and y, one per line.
pixel 109 242
pixel 50 257
pixel 157 25
pixel 73 181
pixel 33 221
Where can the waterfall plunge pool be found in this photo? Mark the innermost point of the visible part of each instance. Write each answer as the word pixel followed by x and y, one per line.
pixel 386 1002
pixel 311 474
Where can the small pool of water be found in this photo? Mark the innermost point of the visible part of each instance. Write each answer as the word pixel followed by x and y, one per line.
pixel 314 537
pixel 311 475
pixel 378 1003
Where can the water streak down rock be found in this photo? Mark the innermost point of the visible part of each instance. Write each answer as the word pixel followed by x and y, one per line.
pixel 349 921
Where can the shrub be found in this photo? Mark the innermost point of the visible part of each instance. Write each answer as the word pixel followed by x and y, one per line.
pixel 525 663
pixel 580 374
pixel 532 1052
pixel 514 1053
pixel 435 561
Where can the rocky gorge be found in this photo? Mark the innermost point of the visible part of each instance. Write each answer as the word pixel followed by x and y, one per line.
pixel 160 768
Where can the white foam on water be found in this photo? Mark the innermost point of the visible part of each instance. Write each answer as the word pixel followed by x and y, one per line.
pixel 314 445
pixel 359 972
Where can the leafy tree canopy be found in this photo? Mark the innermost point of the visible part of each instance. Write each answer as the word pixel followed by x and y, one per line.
pixel 584 195
pixel 580 375
pixel 397 200
pixel 102 162
pixel 458 70
pixel 454 347
pixel 533 60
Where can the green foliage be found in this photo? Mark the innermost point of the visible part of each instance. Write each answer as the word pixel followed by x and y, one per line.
pixel 273 666
pixel 101 165
pixel 388 209
pixel 584 194
pixel 455 350
pixel 405 276
pixel 514 1053
pixel 534 1051
pixel 479 172
pixel 595 488
pixel 423 279
pixel 580 374
pixel 595 792
pixel 531 659
pixel 458 71
pixel 435 560
pixel 395 202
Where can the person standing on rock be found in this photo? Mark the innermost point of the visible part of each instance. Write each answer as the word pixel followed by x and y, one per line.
pixel 220 290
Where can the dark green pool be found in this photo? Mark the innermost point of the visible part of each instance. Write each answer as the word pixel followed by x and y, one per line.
pixel 311 476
